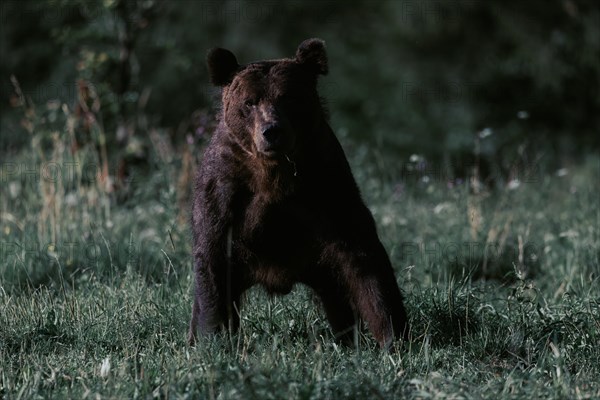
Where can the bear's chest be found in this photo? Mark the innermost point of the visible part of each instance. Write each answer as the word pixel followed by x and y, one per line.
pixel 280 234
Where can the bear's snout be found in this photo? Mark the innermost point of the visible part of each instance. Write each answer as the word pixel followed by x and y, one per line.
pixel 274 138
pixel 272 134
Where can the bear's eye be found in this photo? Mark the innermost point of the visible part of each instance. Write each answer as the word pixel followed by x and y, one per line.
pixel 249 103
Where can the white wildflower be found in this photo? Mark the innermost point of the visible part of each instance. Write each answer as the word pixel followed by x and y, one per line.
pixel 485 132
pixel 562 172
pixel 514 184
pixel 105 367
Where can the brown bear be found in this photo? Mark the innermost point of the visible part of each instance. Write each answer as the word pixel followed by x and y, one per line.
pixel 275 204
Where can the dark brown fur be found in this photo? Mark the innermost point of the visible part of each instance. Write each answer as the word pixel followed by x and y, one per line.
pixel 276 204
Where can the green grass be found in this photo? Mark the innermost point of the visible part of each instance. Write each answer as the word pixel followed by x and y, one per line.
pixel 502 289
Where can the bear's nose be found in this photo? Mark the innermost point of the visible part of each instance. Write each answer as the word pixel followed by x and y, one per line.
pixel 272 134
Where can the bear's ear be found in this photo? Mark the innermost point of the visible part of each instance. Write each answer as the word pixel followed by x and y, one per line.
pixel 222 66
pixel 312 53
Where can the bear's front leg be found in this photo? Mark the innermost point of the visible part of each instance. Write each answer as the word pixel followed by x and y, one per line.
pixel 216 299
pixel 338 309
pixel 372 288
pixel 216 288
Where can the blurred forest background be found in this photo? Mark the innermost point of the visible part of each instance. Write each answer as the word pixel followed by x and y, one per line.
pixel 439 80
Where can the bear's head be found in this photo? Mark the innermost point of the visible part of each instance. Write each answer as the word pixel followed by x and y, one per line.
pixel 271 106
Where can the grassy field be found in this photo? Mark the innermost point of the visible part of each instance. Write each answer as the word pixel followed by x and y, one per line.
pixel 502 287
